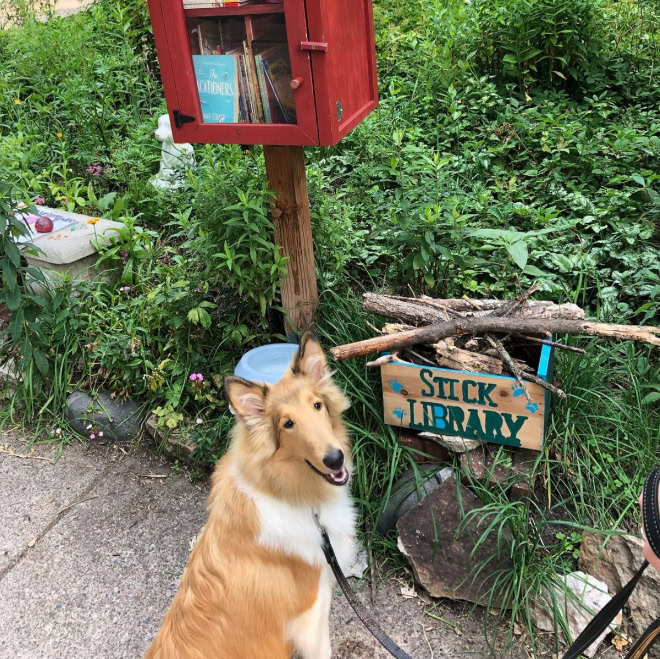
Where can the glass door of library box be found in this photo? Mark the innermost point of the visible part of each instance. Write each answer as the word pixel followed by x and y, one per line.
pixel 232 73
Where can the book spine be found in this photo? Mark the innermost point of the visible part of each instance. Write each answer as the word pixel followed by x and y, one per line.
pixel 247 97
pixel 262 89
pixel 269 80
pixel 252 75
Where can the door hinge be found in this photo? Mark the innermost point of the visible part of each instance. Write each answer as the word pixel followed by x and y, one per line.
pixel 319 46
pixel 180 119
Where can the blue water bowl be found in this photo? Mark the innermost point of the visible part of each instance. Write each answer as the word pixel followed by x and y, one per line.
pixel 266 363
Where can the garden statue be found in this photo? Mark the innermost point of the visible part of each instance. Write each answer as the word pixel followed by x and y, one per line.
pixel 174 158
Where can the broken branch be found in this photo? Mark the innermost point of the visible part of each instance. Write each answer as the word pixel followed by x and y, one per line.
pixel 480 325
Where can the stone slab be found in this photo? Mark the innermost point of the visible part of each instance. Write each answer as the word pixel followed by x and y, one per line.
pixel 445 563
pixel 68 246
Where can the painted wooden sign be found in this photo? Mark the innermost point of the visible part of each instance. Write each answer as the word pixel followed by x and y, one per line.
pixel 492 408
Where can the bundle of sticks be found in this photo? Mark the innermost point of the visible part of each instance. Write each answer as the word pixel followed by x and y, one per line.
pixel 486 336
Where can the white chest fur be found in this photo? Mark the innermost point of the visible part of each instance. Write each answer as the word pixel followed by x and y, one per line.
pixel 293 530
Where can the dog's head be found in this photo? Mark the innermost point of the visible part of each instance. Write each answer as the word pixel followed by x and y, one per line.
pixel 295 435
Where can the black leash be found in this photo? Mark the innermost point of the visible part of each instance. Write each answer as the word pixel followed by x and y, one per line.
pixel 360 611
pixel 651 515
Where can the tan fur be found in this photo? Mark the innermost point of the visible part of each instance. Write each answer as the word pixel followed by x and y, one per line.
pixel 236 597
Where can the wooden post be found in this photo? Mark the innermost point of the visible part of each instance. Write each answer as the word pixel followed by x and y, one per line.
pixel 285 167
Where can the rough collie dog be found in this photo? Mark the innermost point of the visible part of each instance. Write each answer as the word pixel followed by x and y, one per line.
pixel 257 585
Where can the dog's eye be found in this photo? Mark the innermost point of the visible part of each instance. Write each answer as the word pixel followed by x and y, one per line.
pixel 318 405
pixel 288 424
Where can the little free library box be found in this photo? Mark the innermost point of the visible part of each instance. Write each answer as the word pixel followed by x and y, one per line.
pixel 491 408
pixel 288 72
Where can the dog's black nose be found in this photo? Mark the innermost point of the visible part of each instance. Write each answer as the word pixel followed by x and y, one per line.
pixel 334 460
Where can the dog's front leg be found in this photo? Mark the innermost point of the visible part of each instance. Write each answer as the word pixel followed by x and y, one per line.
pixel 310 632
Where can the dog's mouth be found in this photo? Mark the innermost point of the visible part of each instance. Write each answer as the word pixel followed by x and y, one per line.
pixel 338 478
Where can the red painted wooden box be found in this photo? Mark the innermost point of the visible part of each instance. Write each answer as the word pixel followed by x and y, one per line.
pixel 297 72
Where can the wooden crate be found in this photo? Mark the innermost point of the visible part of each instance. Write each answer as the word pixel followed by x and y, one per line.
pixel 481 406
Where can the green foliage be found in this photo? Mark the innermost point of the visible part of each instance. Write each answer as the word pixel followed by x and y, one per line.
pixel 536 40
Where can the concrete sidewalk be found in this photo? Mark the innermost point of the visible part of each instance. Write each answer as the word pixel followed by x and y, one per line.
pixel 92 547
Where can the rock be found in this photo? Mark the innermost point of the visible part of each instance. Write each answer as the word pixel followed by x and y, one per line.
pixel 503 466
pixel 118 420
pixel 176 444
pixel 434 452
pixel 406 493
pixel 454 444
pixel 442 562
pixel 524 461
pixel 481 464
pixel 588 596
pixel 615 565
pixel 359 565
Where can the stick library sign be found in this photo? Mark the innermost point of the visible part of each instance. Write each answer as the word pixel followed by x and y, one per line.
pixel 490 408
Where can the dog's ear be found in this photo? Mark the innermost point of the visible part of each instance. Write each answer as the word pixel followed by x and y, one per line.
pixel 246 399
pixel 310 360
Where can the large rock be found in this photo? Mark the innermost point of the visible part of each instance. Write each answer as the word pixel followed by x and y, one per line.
pixel 408 491
pixel 442 562
pixel 118 420
pixel 577 599
pixel 615 565
pixel 503 466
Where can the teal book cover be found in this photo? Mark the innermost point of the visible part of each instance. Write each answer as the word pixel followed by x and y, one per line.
pixel 217 82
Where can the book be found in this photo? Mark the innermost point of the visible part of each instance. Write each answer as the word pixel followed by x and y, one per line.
pixel 253 85
pixel 262 89
pixel 278 114
pixel 217 83
pixel 278 71
pixel 206 38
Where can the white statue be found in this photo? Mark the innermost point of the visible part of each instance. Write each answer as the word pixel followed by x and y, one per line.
pixel 174 158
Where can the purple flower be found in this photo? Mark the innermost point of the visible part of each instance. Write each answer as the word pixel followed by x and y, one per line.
pixel 92 436
pixel 125 289
pixel 198 421
pixel 39 200
pixel 193 377
pixel 200 377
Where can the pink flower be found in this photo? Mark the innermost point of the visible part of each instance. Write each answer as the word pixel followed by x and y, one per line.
pixel 95 169
pixel 198 421
pixel 200 377
pixel 39 200
pixel 92 436
pixel 125 289
pixel 101 434
pixel 193 377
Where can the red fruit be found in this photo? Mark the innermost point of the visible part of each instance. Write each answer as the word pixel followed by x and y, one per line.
pixel 44 225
